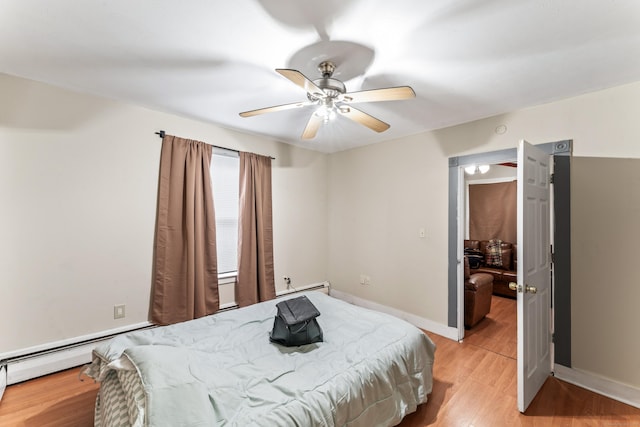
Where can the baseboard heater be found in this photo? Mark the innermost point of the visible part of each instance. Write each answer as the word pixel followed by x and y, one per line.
pixel 16 368
pixel 322 287
pixel 33 364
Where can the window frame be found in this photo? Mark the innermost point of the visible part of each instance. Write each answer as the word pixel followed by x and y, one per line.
pixel 216 181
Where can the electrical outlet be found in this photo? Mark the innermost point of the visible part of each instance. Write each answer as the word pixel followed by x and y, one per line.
pixel 118 311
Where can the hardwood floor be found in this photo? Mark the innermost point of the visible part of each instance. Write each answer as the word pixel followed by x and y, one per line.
pixel 59 399
pixel 474 385
pixel 498 331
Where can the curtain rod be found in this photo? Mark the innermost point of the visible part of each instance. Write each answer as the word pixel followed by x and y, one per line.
pixel 161 134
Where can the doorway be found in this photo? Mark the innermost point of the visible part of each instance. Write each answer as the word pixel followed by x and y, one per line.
pixel 561 152
pixel 490 212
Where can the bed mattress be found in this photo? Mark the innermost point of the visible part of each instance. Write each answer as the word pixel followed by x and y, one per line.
pixel 221 370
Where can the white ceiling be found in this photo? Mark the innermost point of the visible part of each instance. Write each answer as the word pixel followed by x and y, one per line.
pixel 210 60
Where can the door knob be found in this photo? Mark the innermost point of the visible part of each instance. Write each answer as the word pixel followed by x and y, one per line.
pixel 515 287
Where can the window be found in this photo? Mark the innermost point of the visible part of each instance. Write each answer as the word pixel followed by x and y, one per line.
pixel 225 177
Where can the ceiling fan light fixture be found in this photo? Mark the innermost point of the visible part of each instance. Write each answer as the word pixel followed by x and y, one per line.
pixel 331 88
pixel 326 112
pixel 329 94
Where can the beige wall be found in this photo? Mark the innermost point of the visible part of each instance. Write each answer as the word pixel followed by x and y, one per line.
pixel 78 189
pixel 380 195
pixel 78 184
pixel 379 198
pixel 605 206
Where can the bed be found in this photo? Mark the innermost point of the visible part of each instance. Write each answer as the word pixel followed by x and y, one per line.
pixel 371 370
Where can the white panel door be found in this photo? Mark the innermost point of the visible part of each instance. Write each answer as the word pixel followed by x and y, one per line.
pixel 534 272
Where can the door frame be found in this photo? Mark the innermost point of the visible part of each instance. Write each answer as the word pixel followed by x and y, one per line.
pixel 561 286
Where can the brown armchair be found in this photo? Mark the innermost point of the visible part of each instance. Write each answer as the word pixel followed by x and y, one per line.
pixel 478 288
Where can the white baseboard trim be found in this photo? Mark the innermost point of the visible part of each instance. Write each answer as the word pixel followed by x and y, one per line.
pixel 621 392
pixel 420 322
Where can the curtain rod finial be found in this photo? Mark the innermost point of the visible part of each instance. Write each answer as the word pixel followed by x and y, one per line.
pixel 161 134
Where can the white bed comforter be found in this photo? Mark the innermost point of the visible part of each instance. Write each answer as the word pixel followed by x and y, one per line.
pixel 371 370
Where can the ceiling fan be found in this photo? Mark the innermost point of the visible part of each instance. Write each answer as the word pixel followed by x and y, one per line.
pixel 330 96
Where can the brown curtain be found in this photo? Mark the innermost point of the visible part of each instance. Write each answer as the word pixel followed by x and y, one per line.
pixel 493 211
pixel 255 281
pixel 185 282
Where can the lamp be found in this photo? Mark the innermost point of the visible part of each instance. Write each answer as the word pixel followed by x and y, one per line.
pixel 472 169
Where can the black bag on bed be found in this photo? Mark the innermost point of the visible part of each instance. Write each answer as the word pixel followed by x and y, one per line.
pixel 296 324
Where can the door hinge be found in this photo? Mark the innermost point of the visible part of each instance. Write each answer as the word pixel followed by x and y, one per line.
pixel 552 178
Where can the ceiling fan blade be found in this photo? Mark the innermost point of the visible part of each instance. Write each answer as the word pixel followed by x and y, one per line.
pixel 364 119
pixel 299 79
pixel 312 127
pixel 375 95
pixel 275 108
